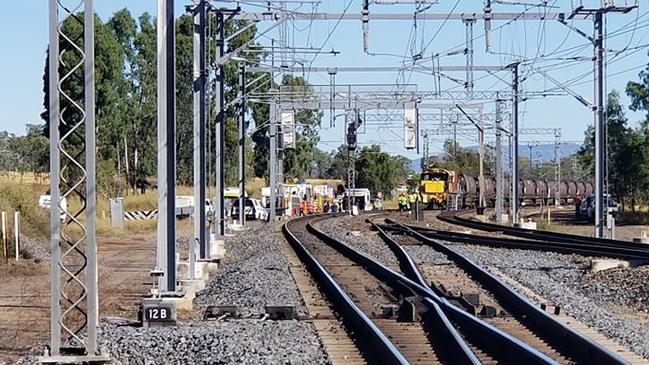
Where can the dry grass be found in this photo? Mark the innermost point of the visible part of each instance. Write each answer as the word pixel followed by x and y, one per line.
pixel 544 226
pixel 23 198
pixel 332 182
pixel 27 268
pixel 20 192
pixel 392 203
pixel 639 218
pixel 253 187
pixel 146 201
pixel 24 178
pixel 132 202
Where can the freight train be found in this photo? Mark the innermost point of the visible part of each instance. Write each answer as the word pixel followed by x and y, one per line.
pixel 436 184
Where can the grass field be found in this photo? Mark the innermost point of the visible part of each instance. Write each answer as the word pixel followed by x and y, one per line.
pixel 639 218
pixel 20 192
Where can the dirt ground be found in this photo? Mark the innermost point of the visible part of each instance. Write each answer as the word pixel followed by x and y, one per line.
pixel 124 262
pixel 562 219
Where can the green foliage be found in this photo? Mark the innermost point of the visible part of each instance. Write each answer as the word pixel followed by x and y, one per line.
pixel 338 163
pixel 461 159
pixel 303 161
pixel 25 153
pixel 379 171
pixel 20 198
pixel 639 92
pixel 126 97
pixel 627 153
pixel 375 169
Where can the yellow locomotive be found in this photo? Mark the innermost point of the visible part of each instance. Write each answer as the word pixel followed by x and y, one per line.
pixel 435 185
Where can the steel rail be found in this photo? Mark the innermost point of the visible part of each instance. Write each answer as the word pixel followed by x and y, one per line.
pixel 364 329
pixel 529 244
pixel 563 241
pixel 566 237
pixel 580 347
pixel 490 338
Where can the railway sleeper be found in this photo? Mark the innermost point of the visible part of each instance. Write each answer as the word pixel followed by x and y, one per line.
pixel 217 312
pixel 281 312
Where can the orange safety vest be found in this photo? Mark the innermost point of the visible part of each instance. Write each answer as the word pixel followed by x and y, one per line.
pixel 303 207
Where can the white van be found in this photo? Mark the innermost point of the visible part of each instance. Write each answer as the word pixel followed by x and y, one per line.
pixel 44 201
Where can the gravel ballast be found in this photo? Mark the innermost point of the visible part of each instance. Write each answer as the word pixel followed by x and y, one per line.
pixel 623 286
pixel 562 280
pixel 368 242
pixel 229 342
pixel 253 274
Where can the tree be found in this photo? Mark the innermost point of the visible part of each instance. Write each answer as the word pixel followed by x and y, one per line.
pixel 639 92
pixel 458 158
pixel 375 169
pixel 110 81
pixel 379 171
pixel 126 102
pixel 138 43
pixel 303 161
pixel 338 164
pixel 626 156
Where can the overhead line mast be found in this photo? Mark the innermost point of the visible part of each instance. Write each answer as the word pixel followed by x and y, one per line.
pixel 488 16
pixel 599 109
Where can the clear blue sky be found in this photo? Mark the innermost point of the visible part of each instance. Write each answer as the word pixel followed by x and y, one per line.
pixel 23 31
pixel 23 39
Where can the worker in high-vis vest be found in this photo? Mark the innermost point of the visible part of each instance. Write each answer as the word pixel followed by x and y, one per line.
pixel 302 207
pixel 402 202
pixel 412 198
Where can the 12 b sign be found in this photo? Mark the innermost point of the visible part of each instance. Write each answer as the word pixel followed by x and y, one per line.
pixel 158 314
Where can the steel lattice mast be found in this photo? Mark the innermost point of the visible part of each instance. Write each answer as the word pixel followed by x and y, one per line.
pixel 73 270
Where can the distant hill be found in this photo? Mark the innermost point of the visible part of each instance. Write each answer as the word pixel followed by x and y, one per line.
pixel 545 153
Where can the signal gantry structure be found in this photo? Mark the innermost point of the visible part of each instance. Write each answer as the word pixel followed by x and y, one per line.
pixel 73 274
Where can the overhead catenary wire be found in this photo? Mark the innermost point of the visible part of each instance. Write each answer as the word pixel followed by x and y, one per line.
pixel 557 60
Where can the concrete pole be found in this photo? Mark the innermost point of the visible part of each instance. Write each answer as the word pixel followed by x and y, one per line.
pixel 457 117
pixel 5 239
pixel 272 161
pixel 557 172
pixel 220 126
pixel 242 144
pixel 515 176
pixel 531 170
pixel 91 274
pixel 55 176
pixel 272 135
pixel 199 138
pixel 499 167
pixel 166 246
pixel 481 181
pixel 17 234
pixel 600 121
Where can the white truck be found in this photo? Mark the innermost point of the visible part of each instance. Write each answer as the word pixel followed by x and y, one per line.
pixel 185 206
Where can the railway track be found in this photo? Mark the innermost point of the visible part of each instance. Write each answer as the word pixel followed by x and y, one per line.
pixel 428 328
pixel 357 296
pixel 505 309
pixel 533 239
